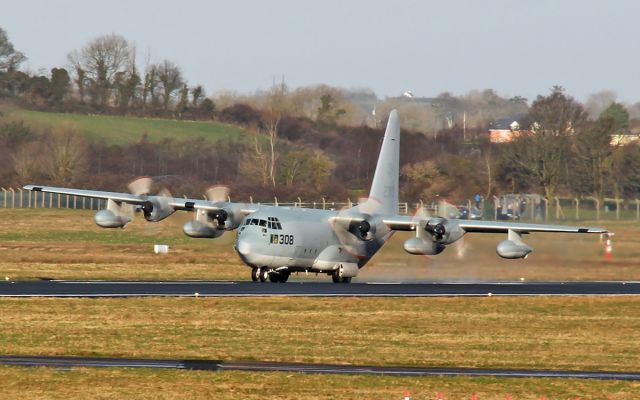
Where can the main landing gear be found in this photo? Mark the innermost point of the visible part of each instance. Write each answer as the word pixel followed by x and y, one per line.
pixel 336 278
pixel 264 274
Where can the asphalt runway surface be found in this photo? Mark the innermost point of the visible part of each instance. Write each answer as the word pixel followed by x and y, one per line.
pixel 257 366
pixel 47 288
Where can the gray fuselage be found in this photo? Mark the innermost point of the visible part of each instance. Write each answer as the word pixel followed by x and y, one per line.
pixel 301 239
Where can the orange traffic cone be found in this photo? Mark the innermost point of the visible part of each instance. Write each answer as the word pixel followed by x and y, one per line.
pixel 407 395
pixel 608 249
pixel 439 396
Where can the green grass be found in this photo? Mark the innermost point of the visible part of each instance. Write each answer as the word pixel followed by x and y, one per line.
pixel 122 130
pixel 534 333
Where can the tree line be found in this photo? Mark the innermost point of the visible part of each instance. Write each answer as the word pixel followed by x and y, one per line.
pixel 314 141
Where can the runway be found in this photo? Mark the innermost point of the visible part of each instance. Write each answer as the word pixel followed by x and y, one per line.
pixel 257 366
pixel 54 288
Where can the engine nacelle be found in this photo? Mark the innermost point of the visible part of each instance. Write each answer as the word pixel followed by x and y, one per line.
pixel 363 229
pixel 443 231
pixel 107 219
pixel 197 229
pixel 155 209
pixel 420 246
pixel 512 250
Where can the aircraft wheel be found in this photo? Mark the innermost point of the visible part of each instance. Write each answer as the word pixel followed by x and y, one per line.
pixel 264 274
pixel 274 277
pixel 284 276
pixel 335 276
pixel 345 280
pixel 255 274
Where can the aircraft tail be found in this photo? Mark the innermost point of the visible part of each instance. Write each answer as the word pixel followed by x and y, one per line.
pixel 383 197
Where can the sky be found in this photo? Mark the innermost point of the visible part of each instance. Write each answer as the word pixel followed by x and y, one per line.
pixel 516 47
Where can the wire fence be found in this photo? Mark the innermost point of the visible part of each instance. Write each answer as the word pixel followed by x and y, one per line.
pixel 524 207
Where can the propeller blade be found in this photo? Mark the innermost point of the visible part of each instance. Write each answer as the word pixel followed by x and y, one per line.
pixel 218 193
pixel 140 186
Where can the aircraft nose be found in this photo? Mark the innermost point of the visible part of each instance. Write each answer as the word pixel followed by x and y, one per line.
pixel 244 247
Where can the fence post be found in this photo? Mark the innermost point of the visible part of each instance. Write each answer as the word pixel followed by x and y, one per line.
pixel 251 199
pixel 299 202
pixel 29 199
pixel 324 204
pixel 597 209
pixel 349 203
pixel 58 200
pixel 13 198
pixel 5 197
pixel 496 202
pixel 577 209
pixel 35 199
pixel 21 202
pixel 618 201
pixel 275 201
pixel 43 198
pixel 67 198
pixel 546 208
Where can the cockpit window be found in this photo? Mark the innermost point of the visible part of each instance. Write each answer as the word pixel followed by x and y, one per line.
pixel 263 222
pixel 274 223
pixel 253 221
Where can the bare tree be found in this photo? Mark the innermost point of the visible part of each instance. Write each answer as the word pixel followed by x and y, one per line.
pixel 26 162
pixel 9 57
pixel 170 76
pixel 66 155
pixel 197 93
pixel 273 113
pixel 150 87
pixel 541 151
pixel 101 59
pixel 593 158
pixel 256 167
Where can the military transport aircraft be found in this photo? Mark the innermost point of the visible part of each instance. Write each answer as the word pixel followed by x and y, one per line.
pixel 276 241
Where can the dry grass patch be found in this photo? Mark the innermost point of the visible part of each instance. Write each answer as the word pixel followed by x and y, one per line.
pixel 561 333
pixel 66 244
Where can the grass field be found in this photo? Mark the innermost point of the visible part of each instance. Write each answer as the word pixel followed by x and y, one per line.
pixel 123 130
pixel 560 333
pixel 66 244
pixel 557 333
pixel 152 384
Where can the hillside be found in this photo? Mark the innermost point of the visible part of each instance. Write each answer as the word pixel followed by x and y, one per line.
pixel 123 130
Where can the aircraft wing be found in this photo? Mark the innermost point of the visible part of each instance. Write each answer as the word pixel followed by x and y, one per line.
pixel 409 223
pixel 173 202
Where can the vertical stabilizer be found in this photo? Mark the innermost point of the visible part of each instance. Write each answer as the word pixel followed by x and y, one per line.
pixel 383 197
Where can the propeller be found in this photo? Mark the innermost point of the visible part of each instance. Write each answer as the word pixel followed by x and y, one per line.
pixel 141 186
pixel 217 193
pixel 155 207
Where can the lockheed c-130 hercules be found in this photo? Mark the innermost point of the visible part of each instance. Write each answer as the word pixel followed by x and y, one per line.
pixel 276 241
